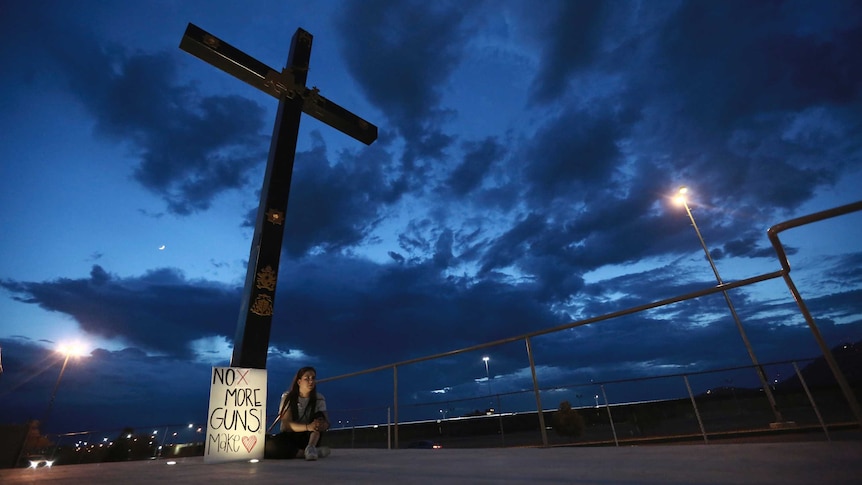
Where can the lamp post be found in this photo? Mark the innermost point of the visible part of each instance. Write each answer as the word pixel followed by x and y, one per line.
pixel 69 350
pixel 499 412
pixel 681 199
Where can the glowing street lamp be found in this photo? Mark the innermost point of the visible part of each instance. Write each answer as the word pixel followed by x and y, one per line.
pixel 487 373
pixel 69 350
pixel 681 198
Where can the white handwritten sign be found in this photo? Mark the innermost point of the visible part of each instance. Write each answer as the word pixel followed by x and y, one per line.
pixel 236 423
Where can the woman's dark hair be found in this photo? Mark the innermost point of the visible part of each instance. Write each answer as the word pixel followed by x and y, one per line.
pixel 293 395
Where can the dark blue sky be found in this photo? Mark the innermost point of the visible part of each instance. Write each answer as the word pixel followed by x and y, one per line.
pixel 522 180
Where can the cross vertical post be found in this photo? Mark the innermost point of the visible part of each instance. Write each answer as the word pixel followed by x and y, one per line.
pixel 255 318
pixel 251 342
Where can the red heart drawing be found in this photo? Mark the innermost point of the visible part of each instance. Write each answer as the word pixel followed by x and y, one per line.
pixel 249 442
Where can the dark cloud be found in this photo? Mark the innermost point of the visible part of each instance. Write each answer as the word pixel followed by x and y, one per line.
pixel 509 247
pixel 753 90
pixel 747 247
pixel 348 314
pixel 402 54
pixel 94 386
pixel 777 56
pixel 335 201
pixel 191 147
pixel 556 251
pixel 474 167
pixel 847 269
pixel 574 38
pixel 412 239
pixel 443 256
pixel 378 305
pixel 159 312
pixel 335 204
pixel 573 154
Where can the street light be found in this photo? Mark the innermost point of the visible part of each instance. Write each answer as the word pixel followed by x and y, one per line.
pixel 69 350
pixel 499 411
pixel 487 373
pixel 682 199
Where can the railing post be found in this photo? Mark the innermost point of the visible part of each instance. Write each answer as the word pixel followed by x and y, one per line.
pixel 395 401
pixel 827 353
pixel 610 417
pixel 811 400
pixel 696 412
pixel 772 233
pixel 56 447
pixel 500 416
pixel 536 392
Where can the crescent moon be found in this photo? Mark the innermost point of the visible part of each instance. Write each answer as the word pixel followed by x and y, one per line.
pixel 162 247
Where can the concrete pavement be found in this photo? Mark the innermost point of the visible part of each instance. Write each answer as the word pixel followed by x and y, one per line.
pixel 819 463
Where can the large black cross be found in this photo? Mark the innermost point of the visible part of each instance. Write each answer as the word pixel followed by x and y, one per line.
pixel 255 318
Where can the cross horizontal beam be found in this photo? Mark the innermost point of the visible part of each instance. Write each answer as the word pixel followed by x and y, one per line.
pixel 233 61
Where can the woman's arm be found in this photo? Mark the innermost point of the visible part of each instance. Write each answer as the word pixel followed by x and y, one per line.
pixel 323 421
pixel 287 422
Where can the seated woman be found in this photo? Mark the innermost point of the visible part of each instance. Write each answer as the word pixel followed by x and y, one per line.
pixel 303 417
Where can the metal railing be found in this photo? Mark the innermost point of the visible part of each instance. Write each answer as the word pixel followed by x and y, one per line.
pixel 722 412
pixel 713 404
pixel 784 273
